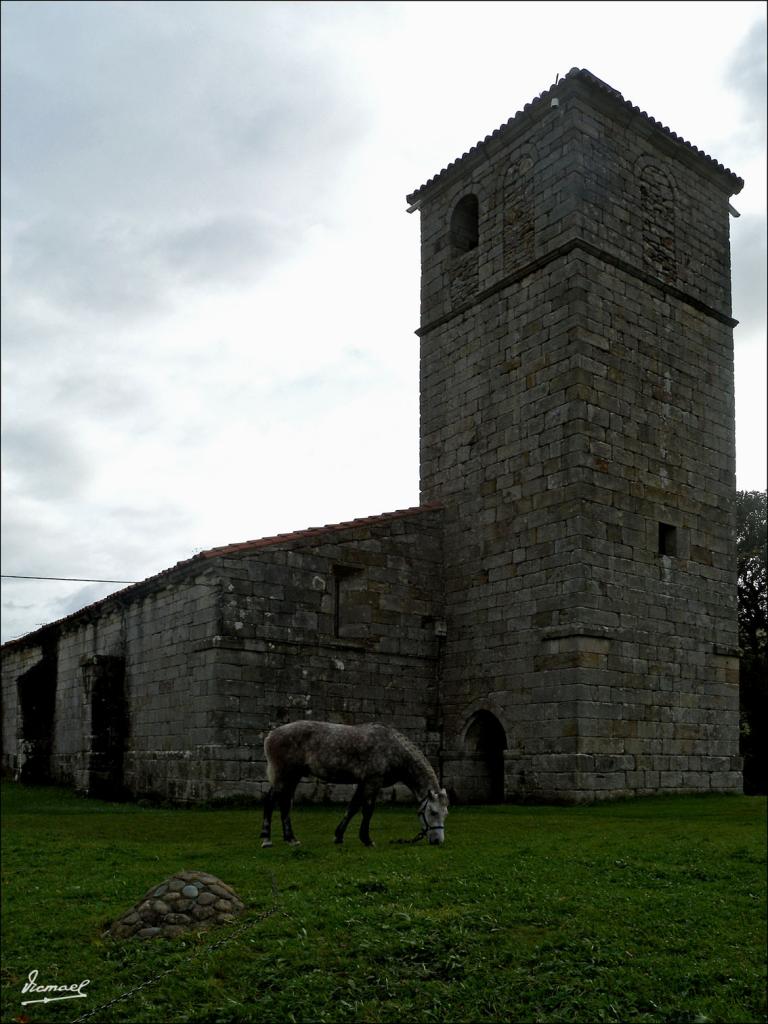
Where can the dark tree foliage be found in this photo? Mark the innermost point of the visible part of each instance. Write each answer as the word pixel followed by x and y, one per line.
pixel 751 543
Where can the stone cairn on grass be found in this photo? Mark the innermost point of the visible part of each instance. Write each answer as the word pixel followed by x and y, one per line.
pixel 185 902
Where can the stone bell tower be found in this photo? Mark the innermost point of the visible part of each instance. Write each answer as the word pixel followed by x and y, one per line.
pixel 577 424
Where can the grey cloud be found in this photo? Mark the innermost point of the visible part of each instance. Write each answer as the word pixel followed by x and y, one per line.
pixel 144 140
pixel 24 332
pixel 124 273
pixel 44 128
pixel 221 248
pixel 747 75
pixel 749 269
pixel 17 606
pixel 82 598
pixel 97 269
pixel 103 393
pixel 44 461
pixel 127 542
pixel 50 602
pixel 23 544
pixel 170 108
pixel 51 605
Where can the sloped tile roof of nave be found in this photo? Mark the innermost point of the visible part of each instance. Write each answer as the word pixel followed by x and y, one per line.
pixel 199 560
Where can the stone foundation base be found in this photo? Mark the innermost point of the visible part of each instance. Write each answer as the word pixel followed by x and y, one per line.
pixel 584 778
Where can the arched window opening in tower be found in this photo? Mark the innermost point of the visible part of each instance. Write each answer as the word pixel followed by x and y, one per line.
pixel 465 233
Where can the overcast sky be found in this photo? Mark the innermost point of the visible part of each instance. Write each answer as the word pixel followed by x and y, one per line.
pixel 210 282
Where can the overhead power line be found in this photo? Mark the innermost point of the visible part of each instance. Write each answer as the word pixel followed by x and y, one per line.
pixel 63 579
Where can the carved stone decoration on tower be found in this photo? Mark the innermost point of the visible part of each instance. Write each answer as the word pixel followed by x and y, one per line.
pixel 657 199
pixel 519 214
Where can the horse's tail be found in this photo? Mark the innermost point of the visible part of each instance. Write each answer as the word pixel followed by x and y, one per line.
pixel 270 762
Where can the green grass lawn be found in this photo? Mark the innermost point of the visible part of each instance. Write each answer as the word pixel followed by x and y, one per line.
pixel 651 910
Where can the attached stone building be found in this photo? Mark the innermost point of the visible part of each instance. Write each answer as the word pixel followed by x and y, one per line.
pixel 557 619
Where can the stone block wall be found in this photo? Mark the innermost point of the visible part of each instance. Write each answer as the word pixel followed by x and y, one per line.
pixel 502 441
pixel 22 664
pixel 151 631
pixel 168 684
pixel 659 472
pixel 340 625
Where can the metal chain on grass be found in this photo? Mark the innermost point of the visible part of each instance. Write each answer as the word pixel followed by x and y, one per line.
pixel 169 970
pixel 407 842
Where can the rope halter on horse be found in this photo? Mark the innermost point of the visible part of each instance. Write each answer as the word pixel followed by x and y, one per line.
pixel 426 827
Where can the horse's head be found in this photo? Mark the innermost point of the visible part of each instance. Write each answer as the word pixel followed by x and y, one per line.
pixel 433 810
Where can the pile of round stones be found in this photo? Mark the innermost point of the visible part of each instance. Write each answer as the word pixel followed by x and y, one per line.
pixel 185 902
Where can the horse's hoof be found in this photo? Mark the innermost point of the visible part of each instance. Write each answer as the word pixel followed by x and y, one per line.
pixel 265 843
pixel 338 841
pixel 293 842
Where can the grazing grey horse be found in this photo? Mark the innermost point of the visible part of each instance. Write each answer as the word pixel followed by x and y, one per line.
pixel 373 756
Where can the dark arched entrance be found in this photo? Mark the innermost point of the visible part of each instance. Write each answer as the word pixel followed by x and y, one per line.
pixel 37 706
pixel 484 744
pixel 104 679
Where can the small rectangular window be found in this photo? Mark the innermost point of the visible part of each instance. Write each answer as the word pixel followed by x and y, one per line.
pixel 346 579
pixel 667 539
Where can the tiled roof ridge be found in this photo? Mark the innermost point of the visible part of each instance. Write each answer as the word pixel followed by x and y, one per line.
pixel 315 531
pixel 202 556
pixel 586 76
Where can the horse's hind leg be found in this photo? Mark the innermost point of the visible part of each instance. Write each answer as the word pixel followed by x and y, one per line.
pixel 266 828
pixel 285 799
pixel 368 805
pixel 354 806
pixel 280 795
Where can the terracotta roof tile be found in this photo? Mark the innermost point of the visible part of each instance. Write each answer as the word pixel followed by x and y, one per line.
pixel 313 532
pixel 199 560
pixel 585 76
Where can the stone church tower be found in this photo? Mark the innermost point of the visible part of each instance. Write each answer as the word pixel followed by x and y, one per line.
pixel 557 619
pixel 577 407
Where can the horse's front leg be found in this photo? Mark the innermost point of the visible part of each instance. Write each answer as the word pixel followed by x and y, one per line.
pixel 354 806
pixel 285 800
pixel 368 806
pixel 266 828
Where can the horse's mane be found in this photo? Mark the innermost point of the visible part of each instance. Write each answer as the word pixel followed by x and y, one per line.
pixel 418 756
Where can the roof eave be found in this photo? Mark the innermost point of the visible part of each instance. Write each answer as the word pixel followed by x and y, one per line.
pixel 578 78
pixel 202 560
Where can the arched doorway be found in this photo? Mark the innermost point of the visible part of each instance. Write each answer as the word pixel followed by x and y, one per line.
pixel 484 744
